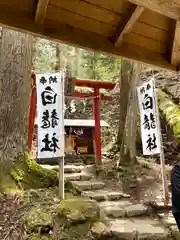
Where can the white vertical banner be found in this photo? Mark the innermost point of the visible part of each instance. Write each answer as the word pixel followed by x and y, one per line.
pixel 149 119
pixel 50 117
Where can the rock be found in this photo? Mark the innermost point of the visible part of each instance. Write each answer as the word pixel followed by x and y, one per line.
pixel 90 169
pixel 175 232
pixel 161 205
pixel 114 211
pixel 122 229
pixel 136 210
pixel 77 176
pixel 72 169
pixel 96 195
pixel 150 229
pixel 167 218
pixel 100 195
pixel 87 185
pixel 99 229
pixel 37 220
pixel 115 208
pixel 36 237
pixel 139 229
pixel 78 210
pixel 115 195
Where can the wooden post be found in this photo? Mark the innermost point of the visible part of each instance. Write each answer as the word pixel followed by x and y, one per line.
pixel 61 177
pixel 97 126
pixel 32 112
pixel 162 158
pixel 61 160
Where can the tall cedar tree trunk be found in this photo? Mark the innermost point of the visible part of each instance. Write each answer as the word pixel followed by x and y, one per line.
pixel 128 145
pixel 58 58
pixel 124 86
pixel 77 62
pixel 15 85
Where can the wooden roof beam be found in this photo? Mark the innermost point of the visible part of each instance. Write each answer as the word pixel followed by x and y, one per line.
pixel 169 8
pixel 23 21
pixel 128 25
pixel 175 54
pixel 41 11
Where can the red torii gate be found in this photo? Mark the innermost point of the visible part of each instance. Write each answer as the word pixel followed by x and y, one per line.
pixel 96 96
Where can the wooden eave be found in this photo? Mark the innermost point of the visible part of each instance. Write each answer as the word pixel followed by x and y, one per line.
pixel 141 30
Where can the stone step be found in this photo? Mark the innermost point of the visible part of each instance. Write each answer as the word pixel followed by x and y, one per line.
pixel 139 229
pixel 167 218
pixel 123 208
pixel 73 169
pixel 159 205
pixel 101 195
pixel 77 176
pixel 87 185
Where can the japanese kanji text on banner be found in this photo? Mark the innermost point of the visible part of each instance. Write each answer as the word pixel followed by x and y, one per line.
pixel 148 118
pixel 50 117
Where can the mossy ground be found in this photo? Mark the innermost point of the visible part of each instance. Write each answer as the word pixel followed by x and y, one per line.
pixel 49 218
pixel 25 173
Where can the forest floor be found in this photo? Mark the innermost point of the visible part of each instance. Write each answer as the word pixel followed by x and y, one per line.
pixel 143 181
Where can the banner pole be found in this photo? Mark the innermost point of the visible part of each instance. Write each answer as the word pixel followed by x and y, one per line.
pixel 162 157
pixel 61 159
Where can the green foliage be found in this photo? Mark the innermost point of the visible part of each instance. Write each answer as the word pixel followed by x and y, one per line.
pixel 84 64
pixel 100 66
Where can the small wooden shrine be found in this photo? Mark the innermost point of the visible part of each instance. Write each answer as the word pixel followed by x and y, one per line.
pixel 80 135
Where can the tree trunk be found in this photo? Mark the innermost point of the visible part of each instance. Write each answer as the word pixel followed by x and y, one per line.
pixel 124 86
pixel 77 62
pixel 128 146
pixel 17 169
pixel 58 58
pixel 15 85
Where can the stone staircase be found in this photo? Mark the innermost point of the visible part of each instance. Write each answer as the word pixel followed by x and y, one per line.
pixel 128 219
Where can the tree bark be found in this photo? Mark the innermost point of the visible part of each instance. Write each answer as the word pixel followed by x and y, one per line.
pixel 124 86
pixel 15 85
pixel 58 58
pixel 128 146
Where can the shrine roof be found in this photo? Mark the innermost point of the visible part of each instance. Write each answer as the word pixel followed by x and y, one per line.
pixel 140 30
pixel 81 123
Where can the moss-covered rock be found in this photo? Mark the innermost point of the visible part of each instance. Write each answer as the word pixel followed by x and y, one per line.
pixel 37 237
pixel 171 112
pixel 70 219
pixel 29 174
pixel 99 229
pixel 78 210
pixel 39 221
pixel 25 173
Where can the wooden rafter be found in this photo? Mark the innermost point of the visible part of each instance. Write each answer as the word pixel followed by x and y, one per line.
pixel 175 54
pixel 129 25
pixel 41 11
pixel 169 8
pixel 22 21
